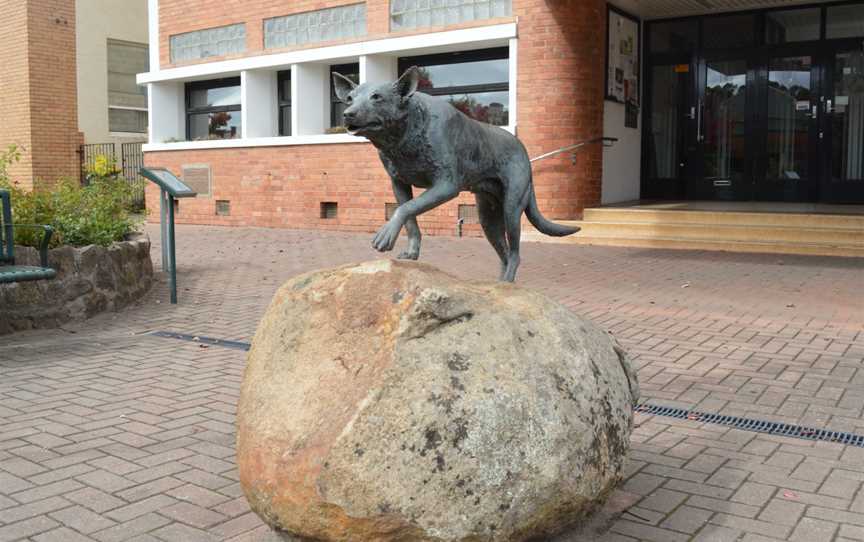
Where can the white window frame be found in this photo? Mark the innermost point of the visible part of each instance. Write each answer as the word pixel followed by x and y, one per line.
pixel 310 80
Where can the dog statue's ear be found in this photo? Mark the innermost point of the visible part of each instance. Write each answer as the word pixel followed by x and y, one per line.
pixel 407 84
pixel 343 86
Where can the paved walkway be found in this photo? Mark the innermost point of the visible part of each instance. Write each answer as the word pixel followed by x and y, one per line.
pixel 108 434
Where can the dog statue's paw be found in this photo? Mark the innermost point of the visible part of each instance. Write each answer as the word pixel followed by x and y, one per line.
pixel 386 237
pixel 408 255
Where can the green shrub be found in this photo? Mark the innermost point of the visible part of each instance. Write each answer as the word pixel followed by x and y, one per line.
pixel 96 214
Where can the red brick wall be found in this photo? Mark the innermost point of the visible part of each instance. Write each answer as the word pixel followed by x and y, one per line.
pixel 53 90
pixel 15 85
pixel 560 101
pixel 179 16
pixel 38 89
pixel 284 187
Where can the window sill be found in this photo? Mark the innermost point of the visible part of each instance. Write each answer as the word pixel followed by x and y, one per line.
pixel 323 139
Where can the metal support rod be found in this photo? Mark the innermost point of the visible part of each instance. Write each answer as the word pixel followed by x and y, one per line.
pixel 163 228
pixel 172 257
pixel 603 140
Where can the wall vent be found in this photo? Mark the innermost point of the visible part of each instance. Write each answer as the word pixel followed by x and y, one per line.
pixel 223 207
pixel 329 209
pixel 468 214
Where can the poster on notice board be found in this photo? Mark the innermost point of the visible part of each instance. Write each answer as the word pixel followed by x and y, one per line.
pixel 622 61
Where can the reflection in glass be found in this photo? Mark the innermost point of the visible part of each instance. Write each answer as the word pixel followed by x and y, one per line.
pixel 788 114
pixel 847 118
pixel 218 125
pixel 845 21
pixel 665 120
pixel 792 25
pixel 489 107
pixel 215 97
pixel 723 120
pixel 481 72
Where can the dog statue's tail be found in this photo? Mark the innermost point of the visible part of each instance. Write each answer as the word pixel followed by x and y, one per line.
pixel 542 224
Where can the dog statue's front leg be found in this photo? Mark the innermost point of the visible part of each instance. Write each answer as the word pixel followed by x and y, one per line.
pixel 404 193
pixel 442 191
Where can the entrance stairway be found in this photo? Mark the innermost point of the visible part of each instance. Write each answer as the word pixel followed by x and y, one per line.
pixel 732 231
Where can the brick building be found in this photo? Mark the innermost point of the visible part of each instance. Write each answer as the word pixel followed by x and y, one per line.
pixel 241 103
pixel 69 78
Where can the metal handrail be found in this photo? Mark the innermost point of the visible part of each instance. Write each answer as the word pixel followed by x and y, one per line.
pixel 605 140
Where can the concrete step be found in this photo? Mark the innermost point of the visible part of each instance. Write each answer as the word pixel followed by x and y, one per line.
pixel 812 249
pixel 726 233
pixel 665 216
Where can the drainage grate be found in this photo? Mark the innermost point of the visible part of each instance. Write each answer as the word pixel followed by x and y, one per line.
pixel 210 341
pixel 759 426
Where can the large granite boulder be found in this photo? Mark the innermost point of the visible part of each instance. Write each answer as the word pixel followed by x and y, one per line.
pixel 388 401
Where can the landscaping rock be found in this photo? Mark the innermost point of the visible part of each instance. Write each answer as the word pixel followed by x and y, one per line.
pixel 388 401
pixel 89 280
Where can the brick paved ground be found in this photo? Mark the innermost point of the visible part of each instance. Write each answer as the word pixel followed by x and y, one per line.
pixel 107 434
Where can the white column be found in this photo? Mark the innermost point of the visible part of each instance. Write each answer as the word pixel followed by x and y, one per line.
pixel 310 98
pixel 153 31
pixel 378 68
pixel 259 103
pixel 167 119
pixel 514 82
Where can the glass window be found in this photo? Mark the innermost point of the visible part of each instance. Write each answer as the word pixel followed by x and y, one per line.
pixel 130 121
pixel 337 108
pixel 788 112
pixel 666 92
pixel 405 14
pixel 724 120
pixel 222 41
pixel 213 109
pixel 127 101
pixel 475 82
pixel 845 21
pixel 337 23
pixel 792 25
pixel 673 36
pixel 284 81
pixel 729 31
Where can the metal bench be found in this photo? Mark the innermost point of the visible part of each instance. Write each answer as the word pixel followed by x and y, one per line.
pixel 9 272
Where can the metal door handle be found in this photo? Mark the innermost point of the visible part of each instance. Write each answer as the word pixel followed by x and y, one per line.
pixel 829 108
pixel 699 136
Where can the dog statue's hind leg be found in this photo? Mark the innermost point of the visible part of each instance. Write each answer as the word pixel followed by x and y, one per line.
pixel 517 191
pixel 491 216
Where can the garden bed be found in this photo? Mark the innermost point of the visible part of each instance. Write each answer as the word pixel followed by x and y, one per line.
pixel 90 280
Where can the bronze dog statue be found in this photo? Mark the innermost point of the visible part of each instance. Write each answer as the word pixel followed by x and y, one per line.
pixel 424 141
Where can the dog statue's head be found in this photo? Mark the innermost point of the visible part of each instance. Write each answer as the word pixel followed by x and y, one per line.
pixel 375 109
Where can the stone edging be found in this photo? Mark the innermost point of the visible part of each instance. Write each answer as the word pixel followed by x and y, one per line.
pixel 90 280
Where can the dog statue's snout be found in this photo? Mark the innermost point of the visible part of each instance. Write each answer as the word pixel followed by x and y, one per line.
pixel 349 114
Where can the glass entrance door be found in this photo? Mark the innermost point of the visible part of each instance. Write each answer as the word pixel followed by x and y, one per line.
pixel 786 130
pixel 724 170
pixel 842 129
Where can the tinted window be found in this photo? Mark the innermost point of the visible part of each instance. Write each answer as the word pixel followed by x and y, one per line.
pixel 465 73
pixel 728 31
pixel 845 21
pixel 214 97
pixel 673 36
pixel 792 25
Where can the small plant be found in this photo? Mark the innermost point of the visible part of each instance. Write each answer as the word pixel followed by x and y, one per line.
pixel 96 214
pixel 102 167
pixel 8 157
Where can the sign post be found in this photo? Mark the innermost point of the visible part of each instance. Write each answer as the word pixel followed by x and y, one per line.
pixel 170 188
